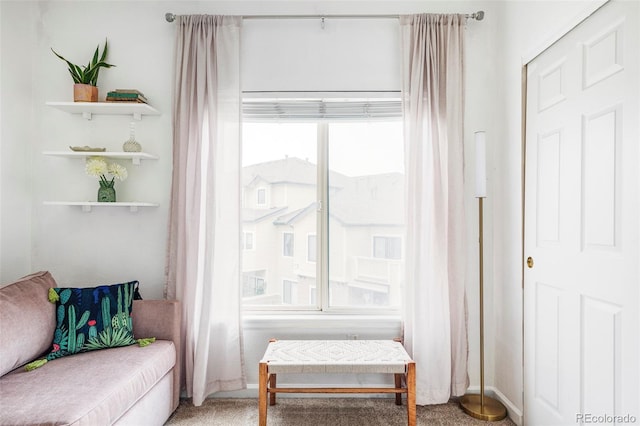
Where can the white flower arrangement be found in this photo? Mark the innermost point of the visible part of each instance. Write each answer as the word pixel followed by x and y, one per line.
pixel 98 167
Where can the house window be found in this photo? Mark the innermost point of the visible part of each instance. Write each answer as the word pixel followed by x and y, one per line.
pixel 261 196
pixel 287 244
pixel 289 292
pixel 311 248
pixel 253 285
pixel 387 247
pixel 247 240
pixel 335 173
pixel 312 295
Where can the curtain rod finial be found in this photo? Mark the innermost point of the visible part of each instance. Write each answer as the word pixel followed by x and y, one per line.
pixel 170 17
pixel 479 15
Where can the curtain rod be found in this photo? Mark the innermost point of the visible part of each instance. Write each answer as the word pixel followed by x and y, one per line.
pixel 478 16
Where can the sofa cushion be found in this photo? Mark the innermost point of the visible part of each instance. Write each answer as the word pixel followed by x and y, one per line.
pixel 26 320
pixel 92 318
pixel 90 388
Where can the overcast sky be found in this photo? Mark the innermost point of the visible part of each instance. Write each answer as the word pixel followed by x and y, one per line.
pixel 378 145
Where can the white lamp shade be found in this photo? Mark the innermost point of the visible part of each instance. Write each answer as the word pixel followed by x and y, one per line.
pixel 481 165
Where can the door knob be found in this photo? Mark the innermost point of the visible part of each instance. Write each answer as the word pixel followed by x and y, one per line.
pixel 530 262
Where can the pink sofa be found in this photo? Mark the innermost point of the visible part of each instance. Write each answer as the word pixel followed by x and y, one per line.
pixel 126 385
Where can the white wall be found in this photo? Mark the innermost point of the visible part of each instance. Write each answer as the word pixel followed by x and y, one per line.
pixel 299 55
pixel 107 245
pixel 16 134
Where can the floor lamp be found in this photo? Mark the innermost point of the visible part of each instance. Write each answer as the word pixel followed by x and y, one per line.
pixel 480 406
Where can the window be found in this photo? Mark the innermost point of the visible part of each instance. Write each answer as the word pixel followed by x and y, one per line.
pixel 287 244
pixel 261 196
pixel 387 247
pixel 247 240
pixel 334 172
pixel 312 295
pixel 253 285
pixel 289 292
pixel 311 248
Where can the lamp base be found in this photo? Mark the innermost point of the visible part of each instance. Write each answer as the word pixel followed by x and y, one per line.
pixel 492 411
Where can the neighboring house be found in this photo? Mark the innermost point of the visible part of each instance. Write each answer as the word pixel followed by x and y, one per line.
pixel 366 235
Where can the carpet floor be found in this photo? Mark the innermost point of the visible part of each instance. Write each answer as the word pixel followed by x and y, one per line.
pixel 319 412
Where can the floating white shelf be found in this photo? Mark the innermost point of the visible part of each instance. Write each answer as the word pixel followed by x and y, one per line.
pixel 87 109
pixel 135 157
pixel 87 205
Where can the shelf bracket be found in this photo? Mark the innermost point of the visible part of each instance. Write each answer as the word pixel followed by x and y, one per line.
pixel 86 208
pixel 133 209
pixel 137 116
pixel 86 115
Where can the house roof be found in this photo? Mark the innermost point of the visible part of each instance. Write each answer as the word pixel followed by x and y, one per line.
pixel 354 201
pixel 291 170
pixel 364 201
pixel 258 215
pixel 293 216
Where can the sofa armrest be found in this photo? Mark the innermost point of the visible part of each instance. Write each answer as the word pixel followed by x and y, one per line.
pixel 157 318
pixel 161 319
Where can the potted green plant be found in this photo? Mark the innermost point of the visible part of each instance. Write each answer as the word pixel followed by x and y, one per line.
pixel 85 78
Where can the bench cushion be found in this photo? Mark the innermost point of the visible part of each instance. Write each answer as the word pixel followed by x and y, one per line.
pixel 336 356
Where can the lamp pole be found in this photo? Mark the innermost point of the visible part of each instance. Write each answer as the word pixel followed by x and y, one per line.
pixel 480 406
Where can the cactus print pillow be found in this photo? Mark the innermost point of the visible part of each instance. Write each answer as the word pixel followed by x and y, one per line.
pixel 92 318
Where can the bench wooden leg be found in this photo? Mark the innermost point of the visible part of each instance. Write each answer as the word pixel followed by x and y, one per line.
pixel 411 393
pixel 262 393
pixel 398 378
pixel 272 385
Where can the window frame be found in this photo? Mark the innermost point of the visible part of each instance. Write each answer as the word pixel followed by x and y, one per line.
pixel 322 281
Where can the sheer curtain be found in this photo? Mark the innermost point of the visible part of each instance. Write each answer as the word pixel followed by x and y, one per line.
pixel 203 265
pixel 433 106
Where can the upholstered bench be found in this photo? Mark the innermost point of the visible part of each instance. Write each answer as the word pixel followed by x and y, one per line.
pixel 337 356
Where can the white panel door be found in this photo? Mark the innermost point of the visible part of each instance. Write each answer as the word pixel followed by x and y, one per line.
pixel 582 224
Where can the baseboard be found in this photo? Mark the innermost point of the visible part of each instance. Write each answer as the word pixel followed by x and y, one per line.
pixel 513 412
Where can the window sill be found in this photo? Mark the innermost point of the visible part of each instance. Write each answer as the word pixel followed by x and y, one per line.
pixel 271 321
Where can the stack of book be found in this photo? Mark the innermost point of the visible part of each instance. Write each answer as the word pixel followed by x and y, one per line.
pixel 126 95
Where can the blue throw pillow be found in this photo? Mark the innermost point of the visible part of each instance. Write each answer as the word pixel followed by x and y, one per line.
pixel 92 318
